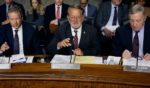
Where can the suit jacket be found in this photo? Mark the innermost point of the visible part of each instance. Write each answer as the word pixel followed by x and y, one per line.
pixel 105 12
pixel 88 43
pixel 3 15
pixel 50 13
pixel 30 40
pixel 123 39
pixel 92 11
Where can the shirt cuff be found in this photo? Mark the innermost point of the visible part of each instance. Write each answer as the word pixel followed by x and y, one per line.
pixel 102 29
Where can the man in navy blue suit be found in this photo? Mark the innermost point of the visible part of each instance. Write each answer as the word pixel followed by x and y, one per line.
pixel 89 10
pixel 75 36
pixel 4 9
pixel 18 37
pixel 133 40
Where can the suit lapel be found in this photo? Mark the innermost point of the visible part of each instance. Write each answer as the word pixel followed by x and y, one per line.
pixel 68 33
pixel 129 38
pixel 54 11
pixel 83 36
pixel 146 37
pixel 108 11
pixel 10 36
pixel 25 32
pixel 62 11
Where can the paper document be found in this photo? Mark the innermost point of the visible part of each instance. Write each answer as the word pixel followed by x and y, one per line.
pixel 4 60
pixel 113 60
pixel 133 61
pixel 65 66
pixel 129 62
pixel 19 58
pixel 29 59
pixel 112 28
pixel 5 66
pixel 88 60
pixel 62 59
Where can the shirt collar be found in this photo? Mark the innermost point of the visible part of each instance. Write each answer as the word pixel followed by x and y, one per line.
pixel 142 29
pixel 78 30
pixel 17 28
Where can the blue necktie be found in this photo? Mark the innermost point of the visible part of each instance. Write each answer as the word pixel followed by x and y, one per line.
pixel 16 43
pixel 115 16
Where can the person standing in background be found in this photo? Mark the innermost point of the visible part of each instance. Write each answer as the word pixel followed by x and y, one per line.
pixel 4 9
pixel 35 14
pixel 111 14
pixel 89 10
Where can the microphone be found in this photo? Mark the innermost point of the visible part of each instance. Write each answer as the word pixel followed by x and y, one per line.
pixel 71 48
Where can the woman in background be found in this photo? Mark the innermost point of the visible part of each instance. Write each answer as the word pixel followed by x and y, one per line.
pixel 35 14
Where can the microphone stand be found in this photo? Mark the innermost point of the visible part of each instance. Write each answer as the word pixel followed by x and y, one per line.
pixel 71 48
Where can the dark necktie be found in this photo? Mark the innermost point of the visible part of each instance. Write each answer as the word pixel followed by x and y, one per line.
pixel 135 45
pixel 16 43
pixel 75 40
pixel 115 16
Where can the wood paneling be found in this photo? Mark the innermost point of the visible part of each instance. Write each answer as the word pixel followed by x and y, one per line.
pixel 89 76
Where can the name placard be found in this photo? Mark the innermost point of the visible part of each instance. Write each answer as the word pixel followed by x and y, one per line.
pixel 5 66
pixel 65 66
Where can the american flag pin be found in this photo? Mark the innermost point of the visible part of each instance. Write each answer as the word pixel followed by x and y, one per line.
pixel 84 32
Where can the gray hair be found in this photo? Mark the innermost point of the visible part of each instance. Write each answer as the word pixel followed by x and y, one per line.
pixel 136 8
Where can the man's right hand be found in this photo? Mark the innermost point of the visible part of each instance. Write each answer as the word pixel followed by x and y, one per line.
pixel 55 21
pixel 126 54
pixel 4 47
pixel 5 22
pixel 64 43
pixel 108 33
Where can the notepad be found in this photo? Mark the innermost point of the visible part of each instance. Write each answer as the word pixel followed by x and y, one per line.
pixel 61 59
pixel 88 60
pixel 5 66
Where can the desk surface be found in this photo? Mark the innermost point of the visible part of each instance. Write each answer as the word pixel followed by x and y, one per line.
pixel 88 73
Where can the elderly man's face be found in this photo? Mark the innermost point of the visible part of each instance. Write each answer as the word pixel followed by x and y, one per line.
pixel 58 2
pixel 137 21
pixel 116 2
pixel 75 18
pixel 15 19
pixel 8 1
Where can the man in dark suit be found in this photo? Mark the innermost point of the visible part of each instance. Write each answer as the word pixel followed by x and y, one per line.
pixel 133 40
pixel 18 37
pixel 54 12
pixel 4 9
pixel 89 10
pixel 75 37
pixel 111 14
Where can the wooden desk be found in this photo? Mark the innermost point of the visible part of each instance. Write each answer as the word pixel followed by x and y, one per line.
pixel 89 76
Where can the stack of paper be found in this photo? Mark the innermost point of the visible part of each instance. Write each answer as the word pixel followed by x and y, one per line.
pixel 113 60
pixel 19 58
pixel 61 59
pixel 4 60
pixel 88 60
pixel 5 66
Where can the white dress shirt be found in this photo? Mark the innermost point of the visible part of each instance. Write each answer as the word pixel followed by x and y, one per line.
pixel 60 8
pixel 20 35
